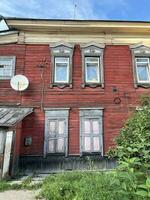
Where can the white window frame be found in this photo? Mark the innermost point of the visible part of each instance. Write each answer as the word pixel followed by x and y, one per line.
pixel 7 58
pixel 98 68
pixel 91 113
pixel 61 49
pixel 56 114
pixel 148 69
pixel 68 62
pixel 93 49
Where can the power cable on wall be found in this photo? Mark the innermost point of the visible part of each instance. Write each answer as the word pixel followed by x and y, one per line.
pixel 42 67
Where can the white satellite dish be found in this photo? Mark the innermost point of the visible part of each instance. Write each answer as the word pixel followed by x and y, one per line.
pixel 19 83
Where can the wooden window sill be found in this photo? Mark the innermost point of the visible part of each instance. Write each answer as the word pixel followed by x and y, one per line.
pixel 143 85
pixel 61 85
pixel 92 85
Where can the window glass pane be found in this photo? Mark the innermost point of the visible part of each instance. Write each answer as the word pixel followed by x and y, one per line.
pixel 92 59
pixel 7 70
pixel 1 70
pixel 6 66
pixel 52 127
pixel 92 72
pixel 60 145
pixel 61 127
pixel 61 72
pixel 96 145
pixel 87 127
pixel 6 62
pixel 62 60
pixel 51 146
pixel 87 143
pixel 142 60
pixel 142 71
pixel 95 124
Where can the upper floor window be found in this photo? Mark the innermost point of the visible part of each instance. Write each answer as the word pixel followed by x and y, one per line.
pixel 61 70
pixel 141 65
pixel 143 70
pixel 92 63
pixel 7 67
pixel 92 70
pixel 61 64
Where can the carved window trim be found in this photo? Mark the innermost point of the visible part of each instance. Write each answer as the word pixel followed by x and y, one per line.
pixel 93 50
pixel 61 49
pixel 139 51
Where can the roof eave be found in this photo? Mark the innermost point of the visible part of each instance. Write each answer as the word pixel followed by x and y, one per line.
pixel 78 26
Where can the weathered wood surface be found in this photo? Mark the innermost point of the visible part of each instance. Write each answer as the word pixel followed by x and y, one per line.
pixel 118 73
pixel 7 153
pixel 1 164
pixel 10 115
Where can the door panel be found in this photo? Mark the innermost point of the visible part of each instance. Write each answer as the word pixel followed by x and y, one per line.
pixel 51 146
pixel 61 127
pixel 87 143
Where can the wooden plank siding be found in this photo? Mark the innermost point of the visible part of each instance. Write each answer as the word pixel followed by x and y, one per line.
pixel 117 73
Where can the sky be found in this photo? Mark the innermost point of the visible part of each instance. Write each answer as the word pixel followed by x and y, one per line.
pixel 85 9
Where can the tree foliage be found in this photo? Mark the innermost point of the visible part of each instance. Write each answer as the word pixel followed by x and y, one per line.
pixel 133 142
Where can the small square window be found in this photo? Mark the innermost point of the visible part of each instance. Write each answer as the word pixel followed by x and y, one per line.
pixel 61 70
pixel 143 70
pixel 92 72
pixel 7 67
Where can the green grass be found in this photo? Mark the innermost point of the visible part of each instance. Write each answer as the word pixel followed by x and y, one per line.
pixel 4 185
pixel 90 186
pixel 26 184
pixel 86 185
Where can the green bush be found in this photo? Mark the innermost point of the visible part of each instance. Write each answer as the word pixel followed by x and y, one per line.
pixel 133 142
pixel 91 186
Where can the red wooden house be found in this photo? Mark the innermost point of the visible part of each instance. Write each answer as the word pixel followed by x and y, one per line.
pixel 85 78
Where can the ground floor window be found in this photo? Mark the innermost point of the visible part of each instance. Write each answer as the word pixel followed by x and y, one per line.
pixel 56 131
pixel 91 131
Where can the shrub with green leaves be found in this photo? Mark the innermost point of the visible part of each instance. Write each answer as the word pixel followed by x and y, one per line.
pixel 133 142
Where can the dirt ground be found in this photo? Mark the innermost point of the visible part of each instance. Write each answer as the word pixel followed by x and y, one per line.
pixel 17 195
